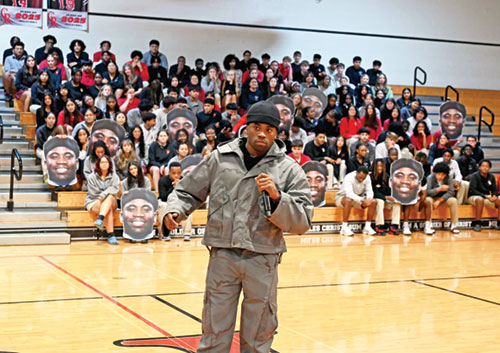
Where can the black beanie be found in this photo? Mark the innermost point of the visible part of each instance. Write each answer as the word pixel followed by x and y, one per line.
pixel 61 142
pixel 315 165
pixel 452 105
pixel 264 112
pixel 142 194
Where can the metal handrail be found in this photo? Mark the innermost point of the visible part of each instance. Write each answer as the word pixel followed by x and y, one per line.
pixel 481 121
pixel 446 97
pixel 416 79
pixel 13 172
pixel 1 129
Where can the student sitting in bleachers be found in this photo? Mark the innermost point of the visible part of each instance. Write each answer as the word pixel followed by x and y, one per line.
pixel 383 198
pixel 103 185
pixel 137 137
pixel 461 186
pixel 125 155
pixel 437 149
pixel 158 158
pixel 89 119
pixel 483 191
pixel 364 137
pixel 47 107
pixel 40 89
pixel 421 137
pixel 356 191
pixel 340 155
pixel 440 190
pixel 358 159
pixel 42 135
pixel 166 186
pixel 95 152
pixel 478 151
pixel 382 149
pixel 466 163
pixel 135 178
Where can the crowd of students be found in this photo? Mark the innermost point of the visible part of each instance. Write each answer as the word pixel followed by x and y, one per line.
pixel 345 118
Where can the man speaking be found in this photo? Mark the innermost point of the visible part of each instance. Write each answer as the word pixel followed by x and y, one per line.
pixel 256 194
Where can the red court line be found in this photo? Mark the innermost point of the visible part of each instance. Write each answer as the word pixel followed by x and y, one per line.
pixel 122 306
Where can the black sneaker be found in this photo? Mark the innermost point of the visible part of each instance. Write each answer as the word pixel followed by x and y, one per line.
pixel 394 229
pixel 380 230
pixel 477 227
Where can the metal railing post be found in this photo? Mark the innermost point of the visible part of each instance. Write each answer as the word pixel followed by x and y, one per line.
pixel 14 173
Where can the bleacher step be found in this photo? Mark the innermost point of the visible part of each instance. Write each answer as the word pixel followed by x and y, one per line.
pixel 24 187
pixel 9 117
pixel 28 197
pixel 15 143
pixel 27 160
pixel 26 168
pixel 18 205
pixel 27 179
pixel 33 215
pixel 35 238
pixel 10 227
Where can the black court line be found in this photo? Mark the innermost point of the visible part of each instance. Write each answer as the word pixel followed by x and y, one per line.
pixel 191 316
pixel 175 307
pixel 287 287
pixel 459 293
pixel 290 29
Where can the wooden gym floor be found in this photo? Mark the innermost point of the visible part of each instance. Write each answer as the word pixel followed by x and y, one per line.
pixel 384 294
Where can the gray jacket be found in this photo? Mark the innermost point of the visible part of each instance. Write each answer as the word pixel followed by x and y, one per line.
pixel 101 188
pixel 432 185
pixel 236 217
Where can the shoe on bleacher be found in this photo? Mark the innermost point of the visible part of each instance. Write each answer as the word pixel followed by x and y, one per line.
pixel 112 240
pixel 346 230
pixel 428 230
pixel 98 224
pixel 369 230
pixel 406 230
pixel 477 227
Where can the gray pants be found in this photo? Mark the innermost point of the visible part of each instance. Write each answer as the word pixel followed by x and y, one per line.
pixel 230 271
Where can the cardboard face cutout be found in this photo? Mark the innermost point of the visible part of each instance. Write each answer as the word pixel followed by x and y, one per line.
pixel 406 176
pixel 286 107
pixel 317 177
pixel 189 163
pixel 181 118
pixel 61 156
pixel 314 98
pixel 110 132
pixel 452 119
pixel 138 214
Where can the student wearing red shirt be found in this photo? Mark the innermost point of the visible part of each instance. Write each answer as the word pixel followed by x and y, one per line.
pixel 58 64
pixel 421 137
pixel 87 74
pixel 70 115
pixel 372 122
pixel 286 71
pixel 140 68
pixel 130 101
pixel 105 46
pixel 297 154
pixel 350 125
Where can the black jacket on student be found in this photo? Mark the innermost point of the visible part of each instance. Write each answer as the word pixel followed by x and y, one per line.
pixel 480 186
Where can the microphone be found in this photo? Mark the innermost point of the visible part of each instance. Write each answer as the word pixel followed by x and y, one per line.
pixel 267 203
